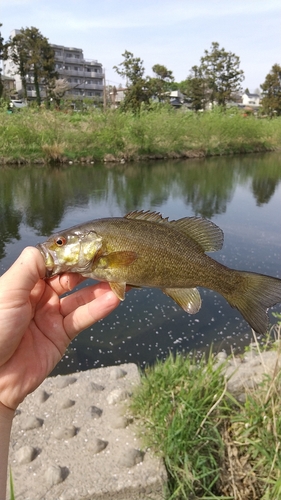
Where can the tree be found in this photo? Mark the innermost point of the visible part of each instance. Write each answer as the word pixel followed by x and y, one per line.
pixel 1 57
pixel 56 90
pixel 131 68
pixel 271 91
pixel 137 90
pixel 31 52
pixel 196 88
pixel 221 71
pixel 160 85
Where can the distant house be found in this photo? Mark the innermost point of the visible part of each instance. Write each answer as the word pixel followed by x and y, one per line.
pixel 117 96
pixel 252 100
pixel 176 99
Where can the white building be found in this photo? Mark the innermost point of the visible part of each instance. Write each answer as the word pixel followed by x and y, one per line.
pixel 252 100
pixel 84 76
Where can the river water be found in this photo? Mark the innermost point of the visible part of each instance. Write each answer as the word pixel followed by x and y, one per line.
pixel 242 194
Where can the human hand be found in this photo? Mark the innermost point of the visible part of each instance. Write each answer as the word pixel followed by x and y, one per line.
pixel 36 325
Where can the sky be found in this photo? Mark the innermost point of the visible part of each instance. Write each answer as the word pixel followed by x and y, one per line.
pixel 173 33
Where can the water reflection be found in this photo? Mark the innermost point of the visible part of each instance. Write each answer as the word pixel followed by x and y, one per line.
pixel 241 194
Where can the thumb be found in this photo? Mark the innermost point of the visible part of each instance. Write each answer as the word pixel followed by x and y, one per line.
pixel 25 272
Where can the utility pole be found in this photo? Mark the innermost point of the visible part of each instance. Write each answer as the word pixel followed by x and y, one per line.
pixel 104 91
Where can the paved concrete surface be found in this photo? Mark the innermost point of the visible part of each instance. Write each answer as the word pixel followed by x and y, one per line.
pixel 74 439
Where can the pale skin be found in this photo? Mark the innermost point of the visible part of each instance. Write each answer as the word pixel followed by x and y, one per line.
pixel 36 326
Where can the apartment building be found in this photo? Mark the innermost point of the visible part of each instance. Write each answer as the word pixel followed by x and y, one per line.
pixel 85 77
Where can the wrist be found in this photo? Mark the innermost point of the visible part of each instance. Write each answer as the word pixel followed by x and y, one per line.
pixel 6 420
pixel 6 413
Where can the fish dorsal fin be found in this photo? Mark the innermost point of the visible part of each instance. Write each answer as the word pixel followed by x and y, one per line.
pixel 207 234
pixel 150 216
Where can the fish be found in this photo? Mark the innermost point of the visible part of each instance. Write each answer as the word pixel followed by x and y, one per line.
pixel 145 249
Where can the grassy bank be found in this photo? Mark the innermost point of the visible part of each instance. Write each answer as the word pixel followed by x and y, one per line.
pixel 212 445
pixel 43 136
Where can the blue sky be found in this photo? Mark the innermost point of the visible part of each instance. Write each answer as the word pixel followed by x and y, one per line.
pixel 173 33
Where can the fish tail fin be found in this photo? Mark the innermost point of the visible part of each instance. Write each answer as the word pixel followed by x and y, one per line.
pixel 254 295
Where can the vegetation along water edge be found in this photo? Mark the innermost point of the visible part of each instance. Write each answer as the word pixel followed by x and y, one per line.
pixel 38 135
pixel 215 422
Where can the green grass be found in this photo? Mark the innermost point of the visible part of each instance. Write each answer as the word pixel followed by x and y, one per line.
pixel 180 405
pixel 12 491
pixel 212 446
pixel 40 135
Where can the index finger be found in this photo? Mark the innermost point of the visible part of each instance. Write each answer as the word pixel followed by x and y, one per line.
pixel 65 282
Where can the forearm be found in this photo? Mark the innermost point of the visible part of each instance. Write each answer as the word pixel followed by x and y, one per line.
pixel 6 419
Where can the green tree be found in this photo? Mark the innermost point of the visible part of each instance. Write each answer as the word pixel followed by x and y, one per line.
pixel 196 88
pixel 271 91
pixel 137 88
pixel 221 71
pixel 31 52
pixel 160 84
pixel 2 57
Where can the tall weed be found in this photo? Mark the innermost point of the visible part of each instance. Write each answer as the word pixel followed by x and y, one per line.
pixel 28 134
pixel 181 405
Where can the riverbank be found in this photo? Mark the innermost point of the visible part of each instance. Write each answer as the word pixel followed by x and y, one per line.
pixel 216 423
pixel 107 432
pixel 44 136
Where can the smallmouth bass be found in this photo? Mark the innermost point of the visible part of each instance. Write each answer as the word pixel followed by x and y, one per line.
pixel 144 249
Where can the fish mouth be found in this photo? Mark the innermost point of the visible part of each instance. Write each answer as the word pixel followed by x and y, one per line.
pixel 48 259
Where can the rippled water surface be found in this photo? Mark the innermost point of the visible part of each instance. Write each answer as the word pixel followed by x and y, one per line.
pixel 241 194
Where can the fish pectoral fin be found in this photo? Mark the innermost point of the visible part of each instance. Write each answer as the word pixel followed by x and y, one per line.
pixel 187 298
pixel 118 288
pixel 115 260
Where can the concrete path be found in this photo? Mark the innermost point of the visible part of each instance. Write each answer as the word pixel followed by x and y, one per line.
pixel 72 439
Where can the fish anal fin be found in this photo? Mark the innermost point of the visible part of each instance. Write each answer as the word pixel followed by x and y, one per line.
pixel 115 260
pixel 187 298
pixel 119 289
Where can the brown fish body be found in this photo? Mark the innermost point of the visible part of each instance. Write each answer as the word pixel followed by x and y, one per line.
pixel 145 250
pixel 166 258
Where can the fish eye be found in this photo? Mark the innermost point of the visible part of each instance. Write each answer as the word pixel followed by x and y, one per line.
pixel 60 241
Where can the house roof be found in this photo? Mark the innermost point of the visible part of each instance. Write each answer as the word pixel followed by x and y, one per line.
pixel 251 95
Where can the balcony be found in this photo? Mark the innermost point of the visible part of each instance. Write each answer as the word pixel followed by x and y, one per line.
pixel 88 86
pixel 82 73
pixel 32 94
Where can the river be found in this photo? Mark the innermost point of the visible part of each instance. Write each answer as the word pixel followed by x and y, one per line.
pixel 242 194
